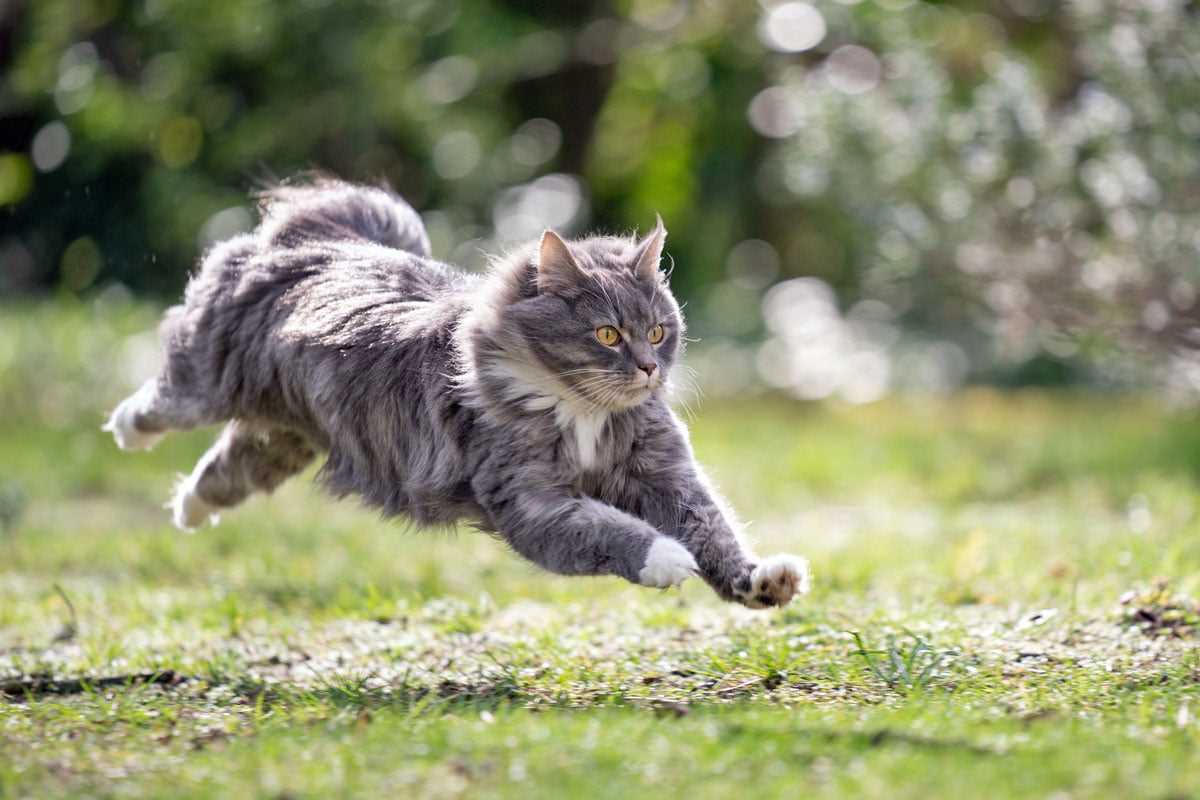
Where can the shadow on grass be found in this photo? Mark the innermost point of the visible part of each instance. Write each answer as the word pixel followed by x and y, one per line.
pixel 35 686
pixel 367 695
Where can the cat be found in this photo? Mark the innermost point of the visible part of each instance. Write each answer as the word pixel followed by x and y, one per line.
pixel 528 400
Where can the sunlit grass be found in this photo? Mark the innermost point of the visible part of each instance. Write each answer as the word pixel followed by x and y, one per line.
pixel 306 647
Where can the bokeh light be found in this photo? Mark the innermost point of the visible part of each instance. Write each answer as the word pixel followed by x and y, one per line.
pixel 50 146
pixel 792 27
pixel 552 201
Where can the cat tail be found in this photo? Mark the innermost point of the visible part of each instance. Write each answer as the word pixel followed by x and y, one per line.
pixel 326 209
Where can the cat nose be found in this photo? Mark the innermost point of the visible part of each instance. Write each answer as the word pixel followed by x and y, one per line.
pixel 648 368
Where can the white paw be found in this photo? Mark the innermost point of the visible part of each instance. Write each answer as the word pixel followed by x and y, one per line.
pixel 776 580
pixel 188 510
pixel 668 563
pixel 128 437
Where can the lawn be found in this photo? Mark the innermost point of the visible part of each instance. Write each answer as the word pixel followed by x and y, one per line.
pixel 1001 607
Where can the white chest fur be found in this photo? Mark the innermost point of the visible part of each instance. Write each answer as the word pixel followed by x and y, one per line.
pixel 583 426
pixel 583 429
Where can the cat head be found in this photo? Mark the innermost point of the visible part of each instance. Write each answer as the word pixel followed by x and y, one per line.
pixel 589 320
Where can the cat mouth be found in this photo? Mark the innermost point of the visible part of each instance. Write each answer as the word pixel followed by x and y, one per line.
pixel 644 384
pixel 622 396
pixel 639 390
pixel 617 391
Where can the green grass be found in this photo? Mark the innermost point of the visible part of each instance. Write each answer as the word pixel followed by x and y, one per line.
pixel 1002 607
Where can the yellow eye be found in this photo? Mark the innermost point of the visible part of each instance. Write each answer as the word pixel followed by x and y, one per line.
pixel 656 334
pixel 608 335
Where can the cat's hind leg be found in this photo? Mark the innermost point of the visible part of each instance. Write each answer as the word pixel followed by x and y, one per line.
pixel 247 458
pixel 143 418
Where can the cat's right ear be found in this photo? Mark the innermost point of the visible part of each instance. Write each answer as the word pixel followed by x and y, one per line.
pixel 557 271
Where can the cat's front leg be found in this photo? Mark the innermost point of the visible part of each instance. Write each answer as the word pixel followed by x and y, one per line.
pixel 573 535
pixel 582 536
pixel 695 515
pixel 733 570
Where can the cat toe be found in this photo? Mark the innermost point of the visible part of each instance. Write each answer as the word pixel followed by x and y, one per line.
pixel 668 563
pixel 126 434
pixel 189 511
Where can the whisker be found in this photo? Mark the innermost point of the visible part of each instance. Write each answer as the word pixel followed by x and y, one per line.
pixel 588 373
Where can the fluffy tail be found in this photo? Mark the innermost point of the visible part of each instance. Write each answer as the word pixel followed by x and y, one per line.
pixel 332 209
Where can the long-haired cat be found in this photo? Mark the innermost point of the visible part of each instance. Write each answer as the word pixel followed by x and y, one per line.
pixel 528 401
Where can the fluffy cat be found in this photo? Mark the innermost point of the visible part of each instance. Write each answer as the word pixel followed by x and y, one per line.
pixel 528 401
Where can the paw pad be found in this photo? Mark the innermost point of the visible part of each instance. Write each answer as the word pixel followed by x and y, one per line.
pixel 776 581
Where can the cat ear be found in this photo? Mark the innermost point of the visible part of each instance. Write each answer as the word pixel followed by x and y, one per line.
pixel 556 268
pixel 650 251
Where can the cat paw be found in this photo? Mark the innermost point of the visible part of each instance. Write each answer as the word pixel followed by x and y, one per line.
pixel 127 435
pixel 668 563
pixel 188 510
pixel 774 582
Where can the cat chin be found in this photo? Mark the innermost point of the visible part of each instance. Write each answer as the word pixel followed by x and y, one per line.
pixel 633 401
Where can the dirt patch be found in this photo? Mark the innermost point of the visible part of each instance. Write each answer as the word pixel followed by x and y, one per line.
pixel 1157 610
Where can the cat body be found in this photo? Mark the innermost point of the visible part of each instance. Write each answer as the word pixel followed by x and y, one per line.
pixel 528 400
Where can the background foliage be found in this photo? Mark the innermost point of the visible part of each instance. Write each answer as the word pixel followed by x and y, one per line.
pixel 973 188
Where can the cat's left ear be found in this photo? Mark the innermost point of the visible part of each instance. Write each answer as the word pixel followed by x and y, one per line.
pixel 650 251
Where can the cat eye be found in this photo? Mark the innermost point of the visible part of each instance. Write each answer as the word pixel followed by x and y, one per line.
pixel 608 335
pixel 656 334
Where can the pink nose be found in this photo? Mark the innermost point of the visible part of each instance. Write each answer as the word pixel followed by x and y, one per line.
pixel 648 368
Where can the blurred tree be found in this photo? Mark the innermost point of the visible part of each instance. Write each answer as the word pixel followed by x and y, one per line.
pixel 981 183
pixel 1023 180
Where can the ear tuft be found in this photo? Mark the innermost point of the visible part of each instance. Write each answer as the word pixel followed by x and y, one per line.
pixel 650 251
pixel 557 270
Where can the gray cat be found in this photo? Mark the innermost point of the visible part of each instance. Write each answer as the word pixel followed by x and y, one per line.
pixel 528 400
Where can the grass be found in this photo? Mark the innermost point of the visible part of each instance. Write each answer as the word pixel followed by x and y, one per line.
pixel 1003 605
